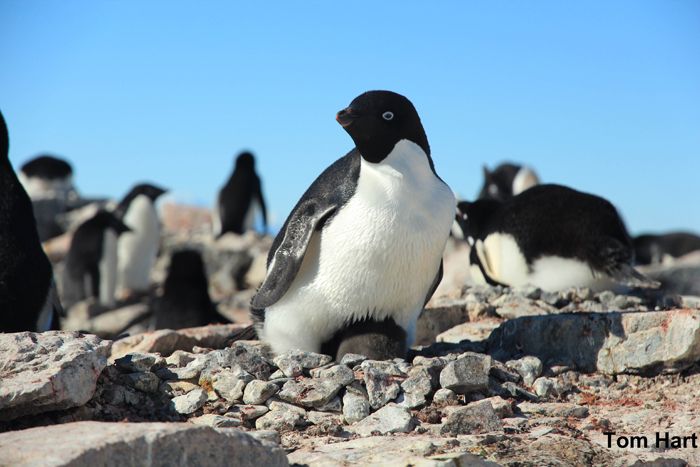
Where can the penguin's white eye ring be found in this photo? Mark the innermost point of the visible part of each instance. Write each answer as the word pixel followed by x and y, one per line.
pixel 388 115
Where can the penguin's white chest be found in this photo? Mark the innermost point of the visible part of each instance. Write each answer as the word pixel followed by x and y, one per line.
pixel 377 257
pixel 137 249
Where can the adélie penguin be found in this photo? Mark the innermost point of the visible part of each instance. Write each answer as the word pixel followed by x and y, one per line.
pixel 552 237
pixel 137 249
pixel 664 248
pixel 28 297
pixel 240 199
pixel 91 263
pixel 185 301
pixel 507 180
pixel 361 252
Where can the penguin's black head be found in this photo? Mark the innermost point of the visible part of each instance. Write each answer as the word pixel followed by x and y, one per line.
pixel 152 191
pixel 474 217
pixel 245 161
pixel 47 167
pixel 4 140
pixel 186 263
pixel 106 220
pixel 377 120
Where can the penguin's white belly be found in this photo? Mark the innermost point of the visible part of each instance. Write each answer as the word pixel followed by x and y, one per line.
pixel 108 268
pixel 137 249
pixel 250 215
pixel 505 263
pixel 376 258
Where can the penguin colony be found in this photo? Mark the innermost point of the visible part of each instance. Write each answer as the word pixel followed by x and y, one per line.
pixel 357 258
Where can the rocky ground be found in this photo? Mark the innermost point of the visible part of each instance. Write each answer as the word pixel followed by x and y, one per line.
pixel 498 377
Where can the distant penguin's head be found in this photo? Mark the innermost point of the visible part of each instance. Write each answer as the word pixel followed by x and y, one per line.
pixel 245 161
pixel 4 140
pixel 107 220
pixel 377 120
pixel 48 167
pixel 186 263
pixel 507 180
pixel 473 217
pixel 151 191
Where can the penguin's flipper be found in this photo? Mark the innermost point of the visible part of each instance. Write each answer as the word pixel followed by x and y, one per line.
pixel 434 285
pixel 284 265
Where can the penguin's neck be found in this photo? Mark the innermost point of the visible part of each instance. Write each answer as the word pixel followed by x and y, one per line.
pixel 407 162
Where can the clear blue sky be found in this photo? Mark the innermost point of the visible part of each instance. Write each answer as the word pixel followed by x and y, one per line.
pixel 602 96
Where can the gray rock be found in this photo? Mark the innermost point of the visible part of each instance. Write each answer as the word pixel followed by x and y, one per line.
pixel 445 397
pixel 176 388
pixel 389 419
pixel 529 368
pixel 419 382
pixel 610 343
pixel 250 358
pixel 190 402
pixel 179 358
pixel 382 387
pixel 283 406
pixel 137 362
pixel 334 405
pixel 54 370
pixel 308 392
pixel 146 382
pixel 216 421
pixel 355 407
pixel 554 409
pixel 339 374
pixel 502 407
pixel 257 392
pixel 247 412
pixel 278 420
pixel 476 418
pixel 318 418
pixel 515 306
pixel 411 400
pixel 433 321
pixel 156 444
pixel 469 373
pixel 545 387
pixel 352 359
pixel 294 362
pixel 230 383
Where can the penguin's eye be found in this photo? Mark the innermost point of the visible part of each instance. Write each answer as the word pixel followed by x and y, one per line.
pixel 388 116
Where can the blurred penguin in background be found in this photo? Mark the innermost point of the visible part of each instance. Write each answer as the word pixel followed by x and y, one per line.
pixel 28 298
pixel 664 248
pixel 49 183
pixel 240 199
pixel 185 301
pixel 91 264
pixel 507 180
pixel 137 249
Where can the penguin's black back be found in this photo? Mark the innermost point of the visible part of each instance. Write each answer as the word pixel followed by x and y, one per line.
pixel 25 271
pixel 559 221
pixel 185 301
pixel 235 198
pixel 47 167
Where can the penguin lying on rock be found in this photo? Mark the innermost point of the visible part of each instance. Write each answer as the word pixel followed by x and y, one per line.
pixel 28 297
pixel 552 237
pixel 361 252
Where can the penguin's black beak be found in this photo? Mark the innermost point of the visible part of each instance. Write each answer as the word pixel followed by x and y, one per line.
pixel 346 116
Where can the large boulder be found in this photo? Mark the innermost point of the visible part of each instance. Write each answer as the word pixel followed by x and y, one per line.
pixel 41 372
pixel 152 444
pixel 610 343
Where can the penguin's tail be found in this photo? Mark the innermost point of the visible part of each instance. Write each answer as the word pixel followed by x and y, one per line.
pixel 627 275
pixel 245 334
